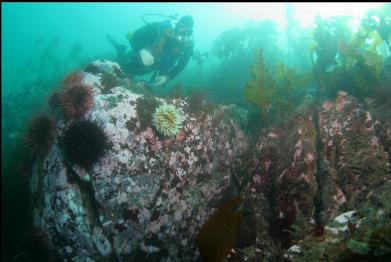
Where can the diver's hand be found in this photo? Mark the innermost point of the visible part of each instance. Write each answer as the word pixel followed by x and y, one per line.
pixel 146 57
pixel 158 81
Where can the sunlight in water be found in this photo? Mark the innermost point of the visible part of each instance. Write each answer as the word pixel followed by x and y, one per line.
pixel 305 13
pixel 256 11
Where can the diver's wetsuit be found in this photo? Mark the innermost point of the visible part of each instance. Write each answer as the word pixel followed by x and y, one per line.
pixel 171 55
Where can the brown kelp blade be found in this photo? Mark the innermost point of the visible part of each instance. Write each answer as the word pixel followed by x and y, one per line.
pixel 219 234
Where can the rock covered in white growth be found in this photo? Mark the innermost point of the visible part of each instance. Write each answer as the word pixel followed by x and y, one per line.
pixel 343 218
pixel 149 192
pixel 294 249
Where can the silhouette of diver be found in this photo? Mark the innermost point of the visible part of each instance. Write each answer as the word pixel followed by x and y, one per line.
pixel 164 48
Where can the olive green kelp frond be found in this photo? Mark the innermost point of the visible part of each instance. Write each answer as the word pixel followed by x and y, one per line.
pixel 261 88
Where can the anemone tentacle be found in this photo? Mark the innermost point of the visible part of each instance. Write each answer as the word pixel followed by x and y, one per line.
pixel 168 119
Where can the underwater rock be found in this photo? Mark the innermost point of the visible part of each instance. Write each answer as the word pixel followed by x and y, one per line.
pixel 309 169
pixel 294 249
pixel 149 195
pixel 344 218
pixel 60 209
pixel 354 160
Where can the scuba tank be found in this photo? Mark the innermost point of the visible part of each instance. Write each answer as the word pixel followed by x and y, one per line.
pixel 173 18
pixel 165 45
pixel 168 27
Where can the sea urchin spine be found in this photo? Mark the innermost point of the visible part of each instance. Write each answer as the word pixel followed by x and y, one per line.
pixel 76 100
pixel 40 136
pixel 73 79
pixel 84 142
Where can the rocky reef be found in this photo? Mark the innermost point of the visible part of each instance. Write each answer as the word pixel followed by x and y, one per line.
pixel 150 195
pixel 320 187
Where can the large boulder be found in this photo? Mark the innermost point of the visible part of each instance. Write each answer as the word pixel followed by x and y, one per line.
pixel 149 196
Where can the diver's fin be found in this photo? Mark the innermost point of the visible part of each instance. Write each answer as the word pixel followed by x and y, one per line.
pixel 120 48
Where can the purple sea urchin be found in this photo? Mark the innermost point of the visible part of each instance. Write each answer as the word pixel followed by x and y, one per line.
pixel 84 142
pixel 40 136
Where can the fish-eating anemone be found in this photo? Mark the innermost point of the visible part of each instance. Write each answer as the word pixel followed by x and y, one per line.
pixel 85 142
pixel 168 119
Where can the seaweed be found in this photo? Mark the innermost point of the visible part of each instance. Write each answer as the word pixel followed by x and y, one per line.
pixel 261 89
pixel 354 59
pixel 199 101
pixel 275 92
pixel 219 234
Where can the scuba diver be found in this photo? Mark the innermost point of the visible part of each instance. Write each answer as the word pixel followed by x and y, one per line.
pixel 164 48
